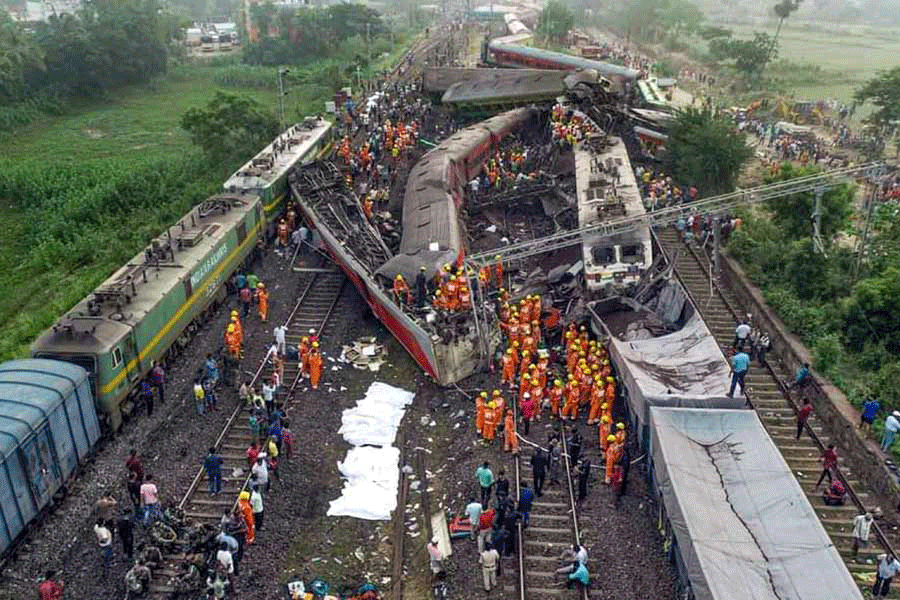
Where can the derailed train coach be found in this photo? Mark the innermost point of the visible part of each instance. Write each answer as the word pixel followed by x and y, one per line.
pixel 735 521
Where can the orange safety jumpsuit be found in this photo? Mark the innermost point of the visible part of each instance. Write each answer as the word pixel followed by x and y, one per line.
pixel 510 440
pixel 603 431
pixel 231 342
pixel 610 395
pixel 238 330
pixel 303 351
pixel 556 396
pixel 479 414
pixel 537 394
pixel 596 401
pixel 498 273
pixel 452 295
pixel 247 513
pixel 401 291
pixel 262 296
pixel 613 455
pixel 465 298
pixel 542 366
pixel 526 360
pixel 484 276
pixel 315 368
pixel 490 424
pixel 570 410
pixel 509 369
pixel 513 332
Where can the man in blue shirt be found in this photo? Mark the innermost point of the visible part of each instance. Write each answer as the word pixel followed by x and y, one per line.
pixel 526 497
pixel 740 362
pixel 869 412
pixel 213 466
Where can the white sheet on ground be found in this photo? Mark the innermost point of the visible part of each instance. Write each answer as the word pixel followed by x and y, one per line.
pixel 371 469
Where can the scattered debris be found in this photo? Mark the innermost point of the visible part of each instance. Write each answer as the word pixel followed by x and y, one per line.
pixel 365 353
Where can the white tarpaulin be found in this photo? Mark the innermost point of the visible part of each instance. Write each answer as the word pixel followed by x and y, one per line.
pixel 744 527
pixel 684 368
pixel 371 469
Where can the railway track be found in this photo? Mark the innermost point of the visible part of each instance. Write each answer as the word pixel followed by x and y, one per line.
pixel 776 408
pixel 553 527
pixel 319 292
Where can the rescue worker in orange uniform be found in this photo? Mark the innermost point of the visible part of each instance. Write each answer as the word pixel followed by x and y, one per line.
pixel 303 352
pixel 440 301
pixel 604 432
pixel 504 295
pixel 508 371
pixel 465 297
pixel 498 270
pixel 284 234
pixel 238 328
pixel 526 360
pixel 484 277
pixel 596 402
pixel 315 366
pixel 514 330
pixel 556 397
pixel 453 293
pixel 401 290
pixel 570 409
pixel 499 403
pixel 489 431
pixel 247 513
pixel 610 393
pixel 480 401
pixel 231 343
pixel 620 433
pixel 613 455
pixel 262 298
pixel 510 440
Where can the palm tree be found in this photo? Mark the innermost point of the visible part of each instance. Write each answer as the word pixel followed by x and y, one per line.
pixel 782 10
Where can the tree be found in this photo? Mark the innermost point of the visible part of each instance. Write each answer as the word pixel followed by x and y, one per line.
pixel 230 127
pixel 782 10
pixel 19 56
pixel 748 56
pixel 555 20
pixel 706 151
pixel 794 213
pixel 884 92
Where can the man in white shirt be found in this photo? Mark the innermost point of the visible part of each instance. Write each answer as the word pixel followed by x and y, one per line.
pixel 260 472
pixel 891 426
pixel 887 568
pixel 104 540
pixel 224 558
pixel 280 345
pixel 473 511
pixel 489 560
pixel 861 526
pixel 256 504
pixel 570 556
pixel 741 333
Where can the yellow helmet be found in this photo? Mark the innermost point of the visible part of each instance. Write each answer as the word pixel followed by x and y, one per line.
pixel 446 267
pixel 598 379
pixel 315 344
pixel 305 339
pixel 483 394
pixel 245 495
pixel 260 285
pixel 610 438
pixel 437 293
pixel 399 276
pixel 502 290
pixel 231 328
pixel 571 377
pixel 582 328
pixel 515 344
pixel 509 350
pixel 605 419
pixel 234 313
pixel 495 393
pixel 604 406
pixel 496 257
pixel 557 383
pixel 532 366
pixel 620 425
pixel 610 380
pixel 234 318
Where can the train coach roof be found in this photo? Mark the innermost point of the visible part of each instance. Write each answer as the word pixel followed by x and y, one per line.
pixel 125 298
pixel 30 390
pixel 744 526
pixel 511 83
pixel 576 62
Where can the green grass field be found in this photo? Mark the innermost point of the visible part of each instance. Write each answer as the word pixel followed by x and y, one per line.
pixel 848 60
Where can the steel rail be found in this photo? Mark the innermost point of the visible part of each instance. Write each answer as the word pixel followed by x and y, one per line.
pixel 240 407
pixel 785 392
pixel 520 527
pixel 571 487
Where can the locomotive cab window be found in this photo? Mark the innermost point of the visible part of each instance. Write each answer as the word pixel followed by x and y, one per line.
pixel 116 358
pixel 603 255
pixel 633 253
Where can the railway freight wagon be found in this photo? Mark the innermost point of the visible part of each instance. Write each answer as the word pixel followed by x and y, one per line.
pixel 48 427
pixel 140 314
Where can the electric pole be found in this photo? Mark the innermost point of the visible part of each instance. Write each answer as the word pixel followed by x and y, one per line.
pixel 281 73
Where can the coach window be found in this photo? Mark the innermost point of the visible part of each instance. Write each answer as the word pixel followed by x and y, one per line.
pixel 633 253
pixel 116 358
pixel 603 255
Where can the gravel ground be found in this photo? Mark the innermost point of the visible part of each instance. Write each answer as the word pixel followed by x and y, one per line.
pixel 623 540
